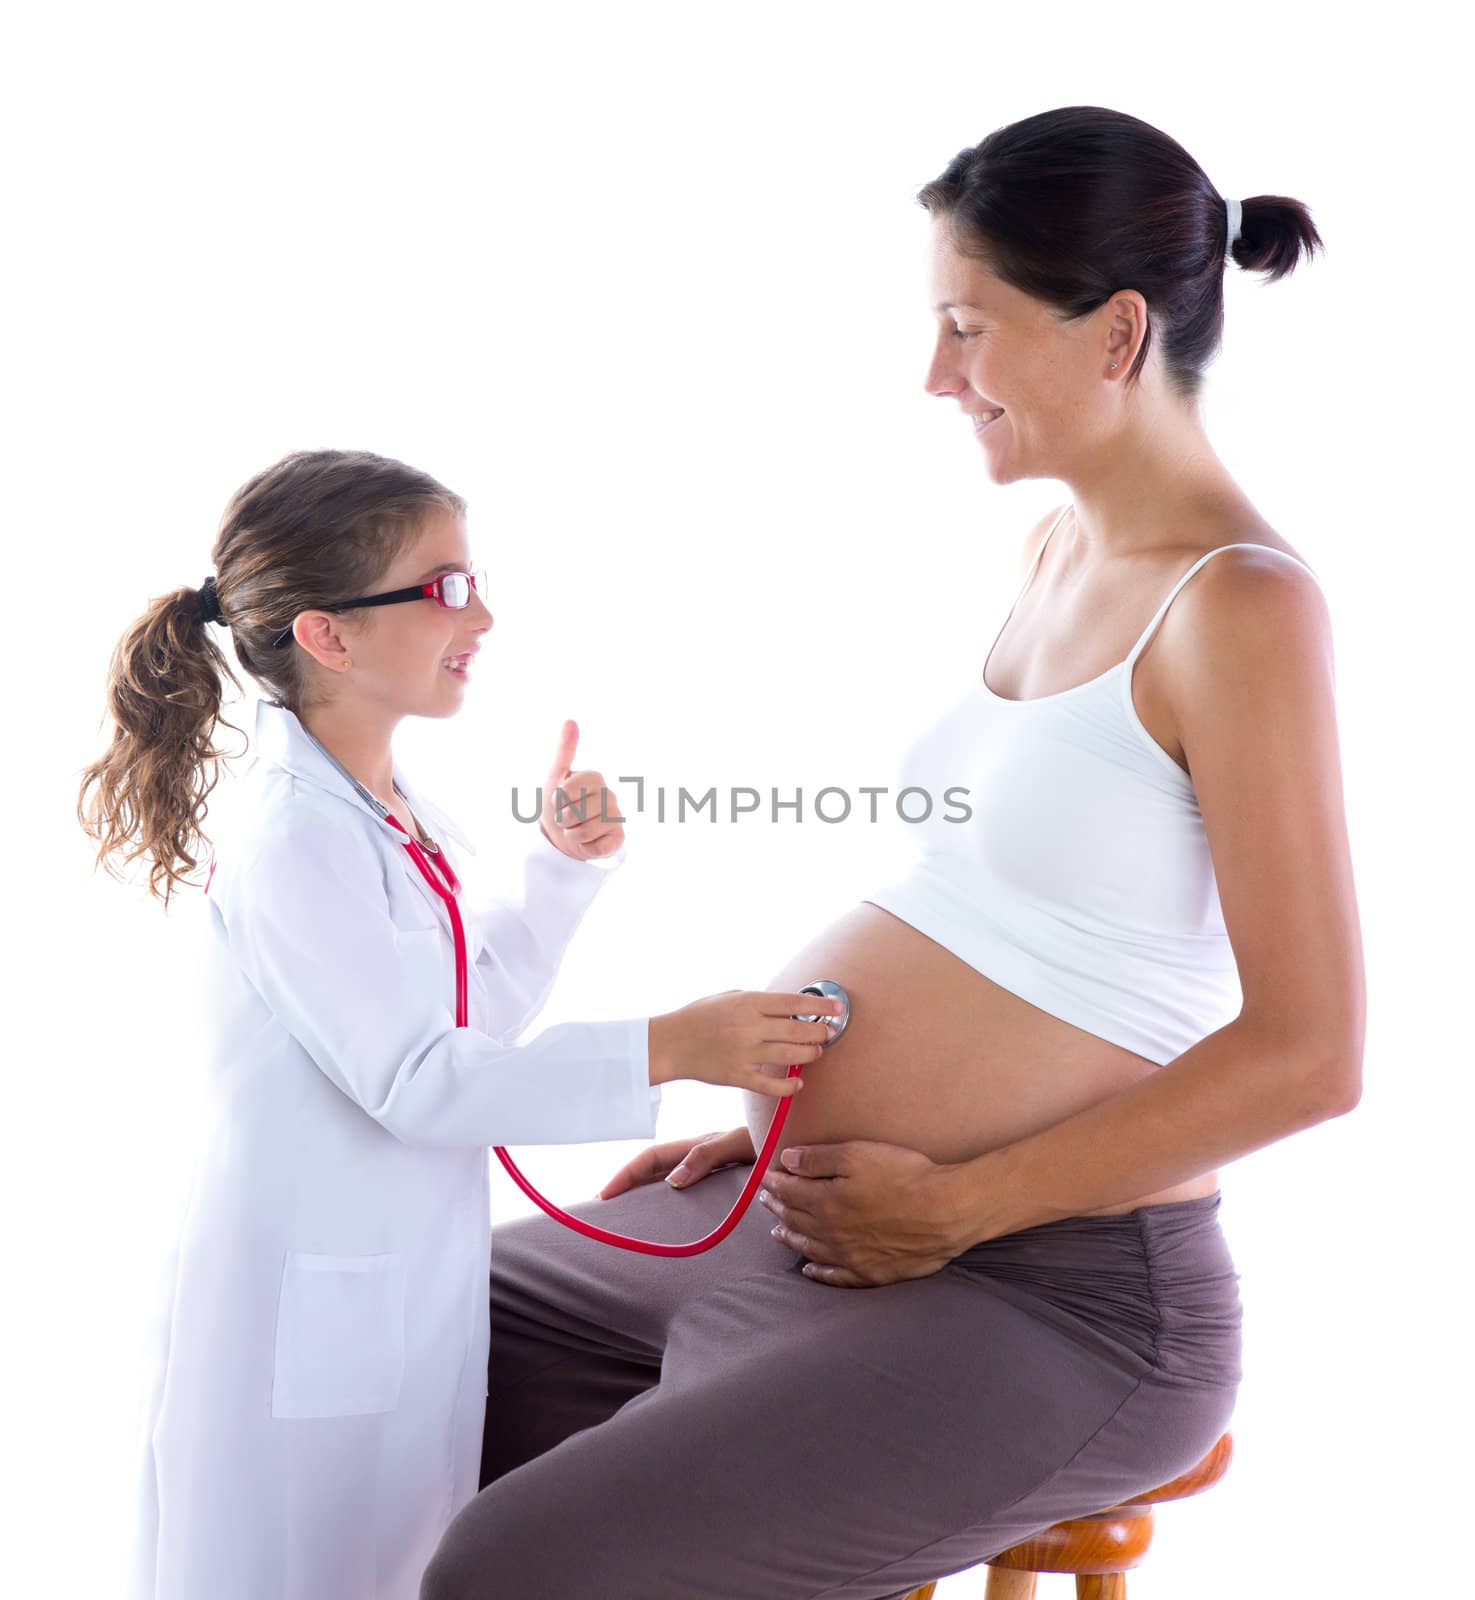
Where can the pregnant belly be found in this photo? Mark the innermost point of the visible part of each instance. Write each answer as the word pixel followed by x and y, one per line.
pixel 938 1057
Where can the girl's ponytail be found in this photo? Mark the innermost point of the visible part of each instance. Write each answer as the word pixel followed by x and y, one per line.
pixel 164 688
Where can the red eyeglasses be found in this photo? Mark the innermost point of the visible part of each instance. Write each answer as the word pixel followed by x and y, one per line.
pixel 451 590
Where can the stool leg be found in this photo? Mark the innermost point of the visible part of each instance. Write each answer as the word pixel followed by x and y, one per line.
pixel 1101 1586
pixel 1004 1583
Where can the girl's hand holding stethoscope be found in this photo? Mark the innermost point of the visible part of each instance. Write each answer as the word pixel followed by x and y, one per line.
pixel 725 1038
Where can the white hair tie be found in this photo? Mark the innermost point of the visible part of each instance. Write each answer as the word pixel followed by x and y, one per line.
pixel 1233 211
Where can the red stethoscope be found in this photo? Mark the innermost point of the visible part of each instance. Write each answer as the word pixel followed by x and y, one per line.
pixel 448 886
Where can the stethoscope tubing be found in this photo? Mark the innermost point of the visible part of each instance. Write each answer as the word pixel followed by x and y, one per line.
pixel 448 887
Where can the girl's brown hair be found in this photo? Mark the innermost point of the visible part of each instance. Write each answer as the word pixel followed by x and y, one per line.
pixel 1074 204
pixel 316 527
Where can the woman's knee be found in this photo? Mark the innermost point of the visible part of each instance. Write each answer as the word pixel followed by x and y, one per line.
pixel 481 1554
pixel 545 1532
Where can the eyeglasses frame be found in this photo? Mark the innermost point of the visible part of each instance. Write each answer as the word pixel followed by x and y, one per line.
pixel 419 591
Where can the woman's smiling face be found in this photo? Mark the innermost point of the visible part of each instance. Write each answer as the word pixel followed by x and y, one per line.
pixel 998 347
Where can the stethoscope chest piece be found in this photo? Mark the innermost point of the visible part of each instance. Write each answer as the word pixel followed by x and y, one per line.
pixel 827 989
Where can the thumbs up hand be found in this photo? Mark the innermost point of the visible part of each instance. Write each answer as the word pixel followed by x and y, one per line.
pixel 581 815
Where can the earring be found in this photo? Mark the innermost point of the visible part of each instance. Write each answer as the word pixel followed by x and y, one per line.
pixel 1113 366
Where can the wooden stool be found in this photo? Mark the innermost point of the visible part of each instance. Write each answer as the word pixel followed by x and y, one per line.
pixel 1098 1550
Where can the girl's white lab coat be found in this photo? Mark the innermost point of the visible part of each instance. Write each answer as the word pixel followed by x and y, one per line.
pixel 315 1416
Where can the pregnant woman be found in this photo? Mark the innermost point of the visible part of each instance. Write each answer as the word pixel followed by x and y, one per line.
pixel 995 1292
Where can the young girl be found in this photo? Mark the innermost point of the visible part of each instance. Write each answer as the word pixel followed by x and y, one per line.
pixel 318 1402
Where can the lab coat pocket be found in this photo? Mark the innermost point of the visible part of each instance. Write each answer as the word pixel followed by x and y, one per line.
pixel 340 1339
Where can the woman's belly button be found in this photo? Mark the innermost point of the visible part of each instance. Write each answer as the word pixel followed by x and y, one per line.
pixel 936 1056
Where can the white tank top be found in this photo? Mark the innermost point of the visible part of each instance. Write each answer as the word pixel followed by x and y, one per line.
pixel 1082 880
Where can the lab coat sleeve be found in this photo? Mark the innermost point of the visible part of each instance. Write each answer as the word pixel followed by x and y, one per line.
pixel 523 936
pixel 308 918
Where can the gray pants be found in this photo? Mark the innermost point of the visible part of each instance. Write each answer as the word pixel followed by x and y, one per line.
pixel 720 1427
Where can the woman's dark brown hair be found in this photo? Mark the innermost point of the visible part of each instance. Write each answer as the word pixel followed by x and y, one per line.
pixel 1074 204
pixel 318 526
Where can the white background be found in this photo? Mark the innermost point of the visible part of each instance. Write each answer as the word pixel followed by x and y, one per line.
pixel 646 284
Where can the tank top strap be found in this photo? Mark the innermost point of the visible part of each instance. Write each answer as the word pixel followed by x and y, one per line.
pixel 1034 565
pixel 1158 615
pixel 1028 577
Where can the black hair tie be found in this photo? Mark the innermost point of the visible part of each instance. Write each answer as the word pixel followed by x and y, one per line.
pixel 209 601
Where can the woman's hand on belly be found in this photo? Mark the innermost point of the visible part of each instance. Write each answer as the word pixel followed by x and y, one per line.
pixel 866 1213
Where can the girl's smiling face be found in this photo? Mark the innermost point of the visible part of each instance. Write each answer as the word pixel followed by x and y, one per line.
pixel 399 652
